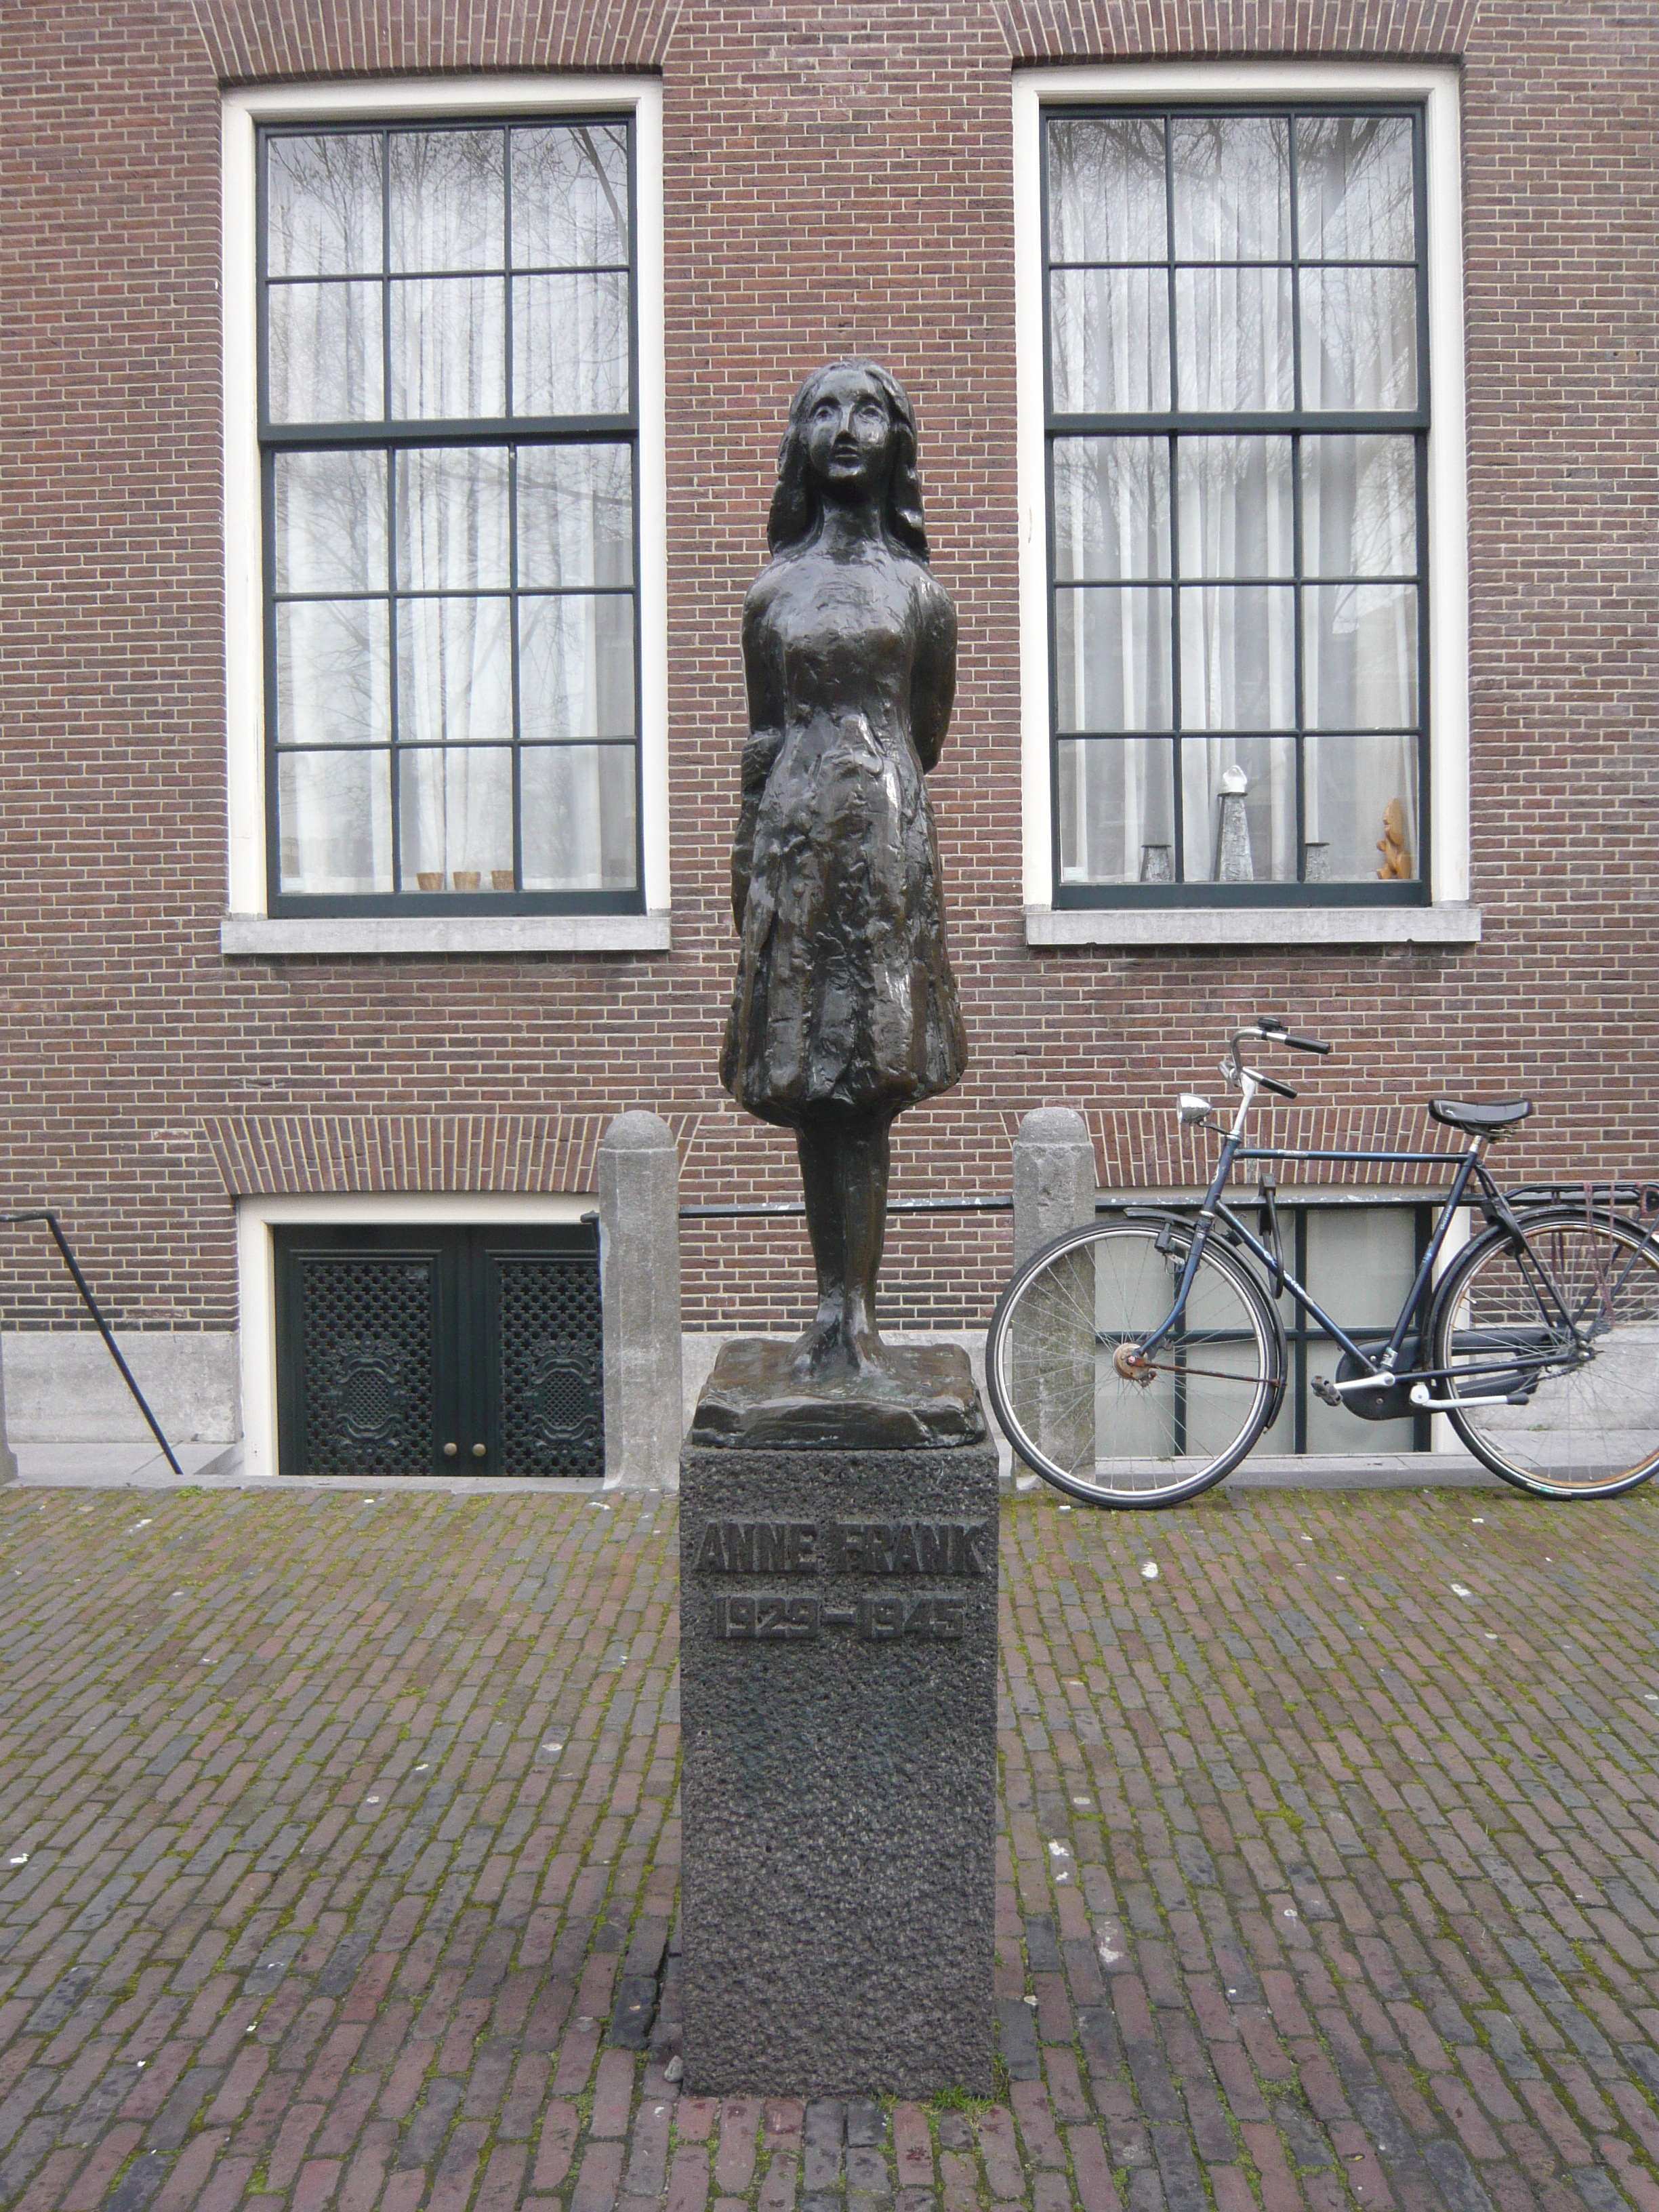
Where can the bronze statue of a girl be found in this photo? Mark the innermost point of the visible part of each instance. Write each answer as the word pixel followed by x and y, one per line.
pixel 846 1009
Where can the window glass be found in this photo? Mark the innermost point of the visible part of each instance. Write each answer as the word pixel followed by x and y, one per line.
pixel 1236 447
pixel 453 635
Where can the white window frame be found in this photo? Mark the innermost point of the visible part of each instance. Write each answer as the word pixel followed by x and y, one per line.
pixel 1450 919
pixel 256 1274
pixel 248 927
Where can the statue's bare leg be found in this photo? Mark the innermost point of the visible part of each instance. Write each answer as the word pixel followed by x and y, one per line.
pixel 844 1162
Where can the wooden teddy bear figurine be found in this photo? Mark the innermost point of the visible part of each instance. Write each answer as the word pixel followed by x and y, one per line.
pixel 1396 861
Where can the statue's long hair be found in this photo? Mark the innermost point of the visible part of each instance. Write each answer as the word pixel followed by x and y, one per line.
pixel 797 502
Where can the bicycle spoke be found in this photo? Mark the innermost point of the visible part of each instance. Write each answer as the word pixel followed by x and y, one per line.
pixel 1588 1419
pixel 1191 1409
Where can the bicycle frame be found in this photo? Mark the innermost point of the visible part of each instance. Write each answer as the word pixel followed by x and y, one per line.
pixel 1375 1365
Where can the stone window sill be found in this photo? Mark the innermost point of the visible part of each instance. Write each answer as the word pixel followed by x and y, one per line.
pixel 265 936
pixel 1206 927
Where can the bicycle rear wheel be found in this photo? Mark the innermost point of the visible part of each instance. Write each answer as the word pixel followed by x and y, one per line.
pixel 1067 1408
pixel 1570 1330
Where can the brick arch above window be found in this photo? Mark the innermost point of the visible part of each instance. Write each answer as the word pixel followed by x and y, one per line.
pixel 325 1155
pixel 1146 30
pixel 250 42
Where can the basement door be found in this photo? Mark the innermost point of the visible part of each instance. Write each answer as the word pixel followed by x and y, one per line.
pixel 448 1350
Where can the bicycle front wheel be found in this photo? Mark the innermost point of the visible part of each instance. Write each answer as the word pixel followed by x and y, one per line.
pixel 1565 1338
pixel 1056 1380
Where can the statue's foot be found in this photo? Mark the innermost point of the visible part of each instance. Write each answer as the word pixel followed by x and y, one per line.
pixel 818 1351
pixel 834 1347
pixel 868 1354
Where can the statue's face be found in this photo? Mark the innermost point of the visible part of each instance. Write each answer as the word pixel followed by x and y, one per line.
pixel 849 433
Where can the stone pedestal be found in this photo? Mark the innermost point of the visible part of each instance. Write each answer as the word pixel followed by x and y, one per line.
pixel 838 1666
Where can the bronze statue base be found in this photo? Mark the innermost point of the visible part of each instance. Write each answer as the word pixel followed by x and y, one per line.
pixel 753 1401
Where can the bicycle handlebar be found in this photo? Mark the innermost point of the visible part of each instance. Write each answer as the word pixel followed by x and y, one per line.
pixel 1271 1026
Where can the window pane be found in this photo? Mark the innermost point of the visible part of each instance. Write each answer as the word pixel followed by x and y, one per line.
pixel 1358 338
pixel 333 673
pixel 1362 1260
pixel 1361 801
pixel 1110 341
pixel 575 515
pixel 330 521
pixel 325 353
pixel 1112 658
pixel 1355 195
pixel 1238 657
pixel 323 205
pixel 579 818
pixel 1237 516
pixel 1217 852
pixel 1111 507
pixel 453 532
pixel 1359 507
pixel 570 345
pixel 454 670
pixel 1231 176
pixel 1106 189
pixel 448 340
pixel 1116 811
pixel 576 666
pixel 447 209
pixel 334 823
pixel 1233 336
pixel 455 819
pixel 570 197
pixel 1361 644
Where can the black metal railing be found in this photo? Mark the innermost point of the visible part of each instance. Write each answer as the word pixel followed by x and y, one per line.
pixel 41 1213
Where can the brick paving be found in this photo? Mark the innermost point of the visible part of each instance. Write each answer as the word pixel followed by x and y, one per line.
pixel 1330 1871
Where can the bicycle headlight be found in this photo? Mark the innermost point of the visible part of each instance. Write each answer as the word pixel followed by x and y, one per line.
pixel 1192 1109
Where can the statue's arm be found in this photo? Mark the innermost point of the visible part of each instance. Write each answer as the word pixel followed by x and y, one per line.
pixel 933 684
pixel 765 741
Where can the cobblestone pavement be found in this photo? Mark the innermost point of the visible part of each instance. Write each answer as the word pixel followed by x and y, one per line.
pixel 337 1864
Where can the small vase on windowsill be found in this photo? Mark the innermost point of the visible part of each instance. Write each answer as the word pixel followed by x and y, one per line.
pixel 1316 862
pixel 466 880
pixel 1157 864
pixel 430 879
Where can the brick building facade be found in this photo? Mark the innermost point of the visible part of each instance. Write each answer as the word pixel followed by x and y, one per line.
pixel 833 181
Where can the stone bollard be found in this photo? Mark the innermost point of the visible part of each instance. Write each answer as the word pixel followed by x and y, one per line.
pixel 8 1456
pixel 640 1285
pixel 1053 1177
pixel 1050 1360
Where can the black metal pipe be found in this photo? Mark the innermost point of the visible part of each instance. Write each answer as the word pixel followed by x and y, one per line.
pixel 783 1207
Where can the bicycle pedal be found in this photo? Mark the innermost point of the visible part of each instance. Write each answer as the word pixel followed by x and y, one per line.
pixel 1325 1390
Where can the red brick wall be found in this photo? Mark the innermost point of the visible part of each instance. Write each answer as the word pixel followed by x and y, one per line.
pixel 838 180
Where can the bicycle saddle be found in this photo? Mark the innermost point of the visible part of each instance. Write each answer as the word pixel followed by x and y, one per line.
pixel 1479 1120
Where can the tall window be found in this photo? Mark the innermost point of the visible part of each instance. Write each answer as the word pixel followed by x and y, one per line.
pixel 1238 417
pixel 449 430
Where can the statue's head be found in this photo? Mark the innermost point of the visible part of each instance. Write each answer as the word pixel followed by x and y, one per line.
pixel 850 423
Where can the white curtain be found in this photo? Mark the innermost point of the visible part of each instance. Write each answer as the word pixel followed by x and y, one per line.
pixel 576 666
pixel 455 667
pixel 1113 653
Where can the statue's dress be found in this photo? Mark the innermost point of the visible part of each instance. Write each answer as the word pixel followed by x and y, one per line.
pixel 845 999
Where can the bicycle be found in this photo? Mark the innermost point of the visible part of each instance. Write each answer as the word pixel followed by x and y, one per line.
pixel 1136 1362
